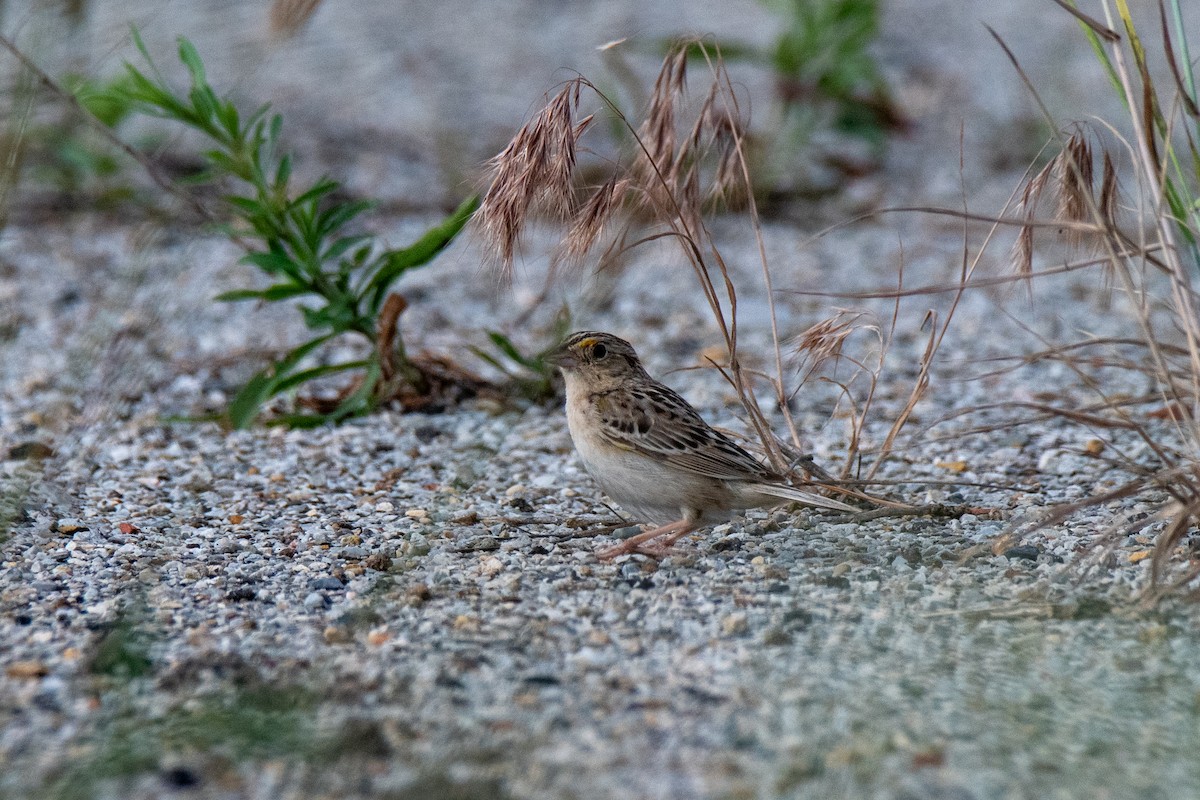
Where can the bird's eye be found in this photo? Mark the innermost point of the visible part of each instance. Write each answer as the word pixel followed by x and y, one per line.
pixel 599 351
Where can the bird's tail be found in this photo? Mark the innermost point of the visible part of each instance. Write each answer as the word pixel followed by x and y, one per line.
pixel 801 496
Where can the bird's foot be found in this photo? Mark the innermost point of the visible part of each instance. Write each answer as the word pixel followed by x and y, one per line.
pixel 644 544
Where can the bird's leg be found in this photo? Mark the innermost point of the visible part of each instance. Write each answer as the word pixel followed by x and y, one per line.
pixel 634 544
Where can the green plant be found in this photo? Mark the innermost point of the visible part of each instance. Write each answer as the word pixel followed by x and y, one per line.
pixel 123 650
pixel 826 79
pixel 301 239
pixel 823 56
pixel 70 155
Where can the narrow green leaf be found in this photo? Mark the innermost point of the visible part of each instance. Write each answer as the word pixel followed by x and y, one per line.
pixel 190 58
pixel 397 262
pixel 239 294
pixel 341 245
pixel 283 172
pixel 282 291
pixel 318 190
pixel 505 346
pixel 363 400
pixel 338 215
pixel 488 358
pixel 274 262
pixel 245 405
pixel 304 376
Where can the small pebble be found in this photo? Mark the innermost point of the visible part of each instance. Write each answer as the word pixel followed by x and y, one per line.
pixel 328 583
pixel 1026 551
pixel 734 624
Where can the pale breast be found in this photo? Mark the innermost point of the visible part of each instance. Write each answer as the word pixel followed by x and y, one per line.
pixel 644 486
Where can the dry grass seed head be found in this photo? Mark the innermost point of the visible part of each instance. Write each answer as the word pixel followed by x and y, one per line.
pixel 1022 255
pixel 657 163
pixel 534 172
pixel 1074 174
pixel 593 217
pixel 826 340
pixel 728 132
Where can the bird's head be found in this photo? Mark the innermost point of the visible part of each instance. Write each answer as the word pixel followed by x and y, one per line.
pixel 596 355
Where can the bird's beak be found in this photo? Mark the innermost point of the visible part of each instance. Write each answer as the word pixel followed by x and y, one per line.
pixel 561 357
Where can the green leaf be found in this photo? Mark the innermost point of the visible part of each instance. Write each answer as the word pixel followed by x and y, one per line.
pixel 264 385
pixel 363 400
pixel 339 214
pixel 318 190
pixel 283 172
pixel 304 376
pixel 239 294
pixel 283 291
pixel 274 263
pixel 488 358
pixel 505 346
pixel 337 315
pixel 420 252
pixel 280 291
pixel 190 58
pixel 245 404
pixel 340 246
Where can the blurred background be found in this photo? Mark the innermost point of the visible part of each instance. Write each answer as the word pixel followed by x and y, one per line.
pixel 404 100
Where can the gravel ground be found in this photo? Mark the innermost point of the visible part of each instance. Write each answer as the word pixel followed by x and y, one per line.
pixel 409 606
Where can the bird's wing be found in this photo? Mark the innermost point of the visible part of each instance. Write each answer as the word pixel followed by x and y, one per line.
pixel 657 422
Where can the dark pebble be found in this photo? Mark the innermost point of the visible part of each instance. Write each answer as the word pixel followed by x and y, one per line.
pixel 426 433
pixel 1027 551
pixel 542 680
pixel 327 583
pixel 241 593
pixel 480 544
pixel 180 778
